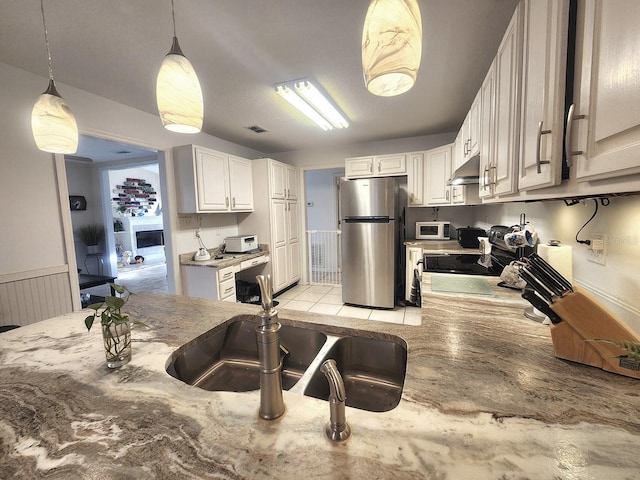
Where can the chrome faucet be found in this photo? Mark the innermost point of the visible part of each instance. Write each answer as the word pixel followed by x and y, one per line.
pixel 337 429
pixel 268 339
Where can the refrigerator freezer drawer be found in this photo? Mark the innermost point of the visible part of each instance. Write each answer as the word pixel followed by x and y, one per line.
pixel 368 264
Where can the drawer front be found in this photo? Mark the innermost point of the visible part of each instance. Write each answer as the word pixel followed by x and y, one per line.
pixel 228 289
pixel 227 273
pixel 253 262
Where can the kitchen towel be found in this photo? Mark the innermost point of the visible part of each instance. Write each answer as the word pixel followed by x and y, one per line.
pixel 559 257
pixel 460 284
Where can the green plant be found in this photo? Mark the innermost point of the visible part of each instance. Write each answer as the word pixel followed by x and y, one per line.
pixel 116 331
pixel 111 309
pixel 91 234
pixel 632 349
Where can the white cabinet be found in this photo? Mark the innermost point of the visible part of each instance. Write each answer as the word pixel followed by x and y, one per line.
pixel 503 166
pixel 376 166
pixel 209 282
pixel 607 90
pixel 487 115
pixel 415 180
pixel 208 181
pixel 283 180
pixel 276 219
pixel 471 131
pixel 414 254
pixel 437 171
pixel 546 30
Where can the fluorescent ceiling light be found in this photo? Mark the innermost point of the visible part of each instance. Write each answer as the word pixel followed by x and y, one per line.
pixel 307 98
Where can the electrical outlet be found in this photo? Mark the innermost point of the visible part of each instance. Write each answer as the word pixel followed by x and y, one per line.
pixel 186 221
pixel 597 252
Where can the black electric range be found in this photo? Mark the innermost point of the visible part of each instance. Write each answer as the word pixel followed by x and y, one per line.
pixel 463 263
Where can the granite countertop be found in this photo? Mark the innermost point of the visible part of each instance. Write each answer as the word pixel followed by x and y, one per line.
pixel 484 398
pixel 228 260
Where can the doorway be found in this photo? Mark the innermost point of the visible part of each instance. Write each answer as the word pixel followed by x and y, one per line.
pixel 121 185
pixel 324 266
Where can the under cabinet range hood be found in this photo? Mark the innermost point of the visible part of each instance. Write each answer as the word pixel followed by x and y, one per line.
pixel 467 174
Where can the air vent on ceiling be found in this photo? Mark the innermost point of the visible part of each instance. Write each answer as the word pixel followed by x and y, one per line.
pixel 256 129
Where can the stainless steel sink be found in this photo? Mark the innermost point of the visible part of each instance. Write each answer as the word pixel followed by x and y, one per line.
pixel 226 359
pixel 373 371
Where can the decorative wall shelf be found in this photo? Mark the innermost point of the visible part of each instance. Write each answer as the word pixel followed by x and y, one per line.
pixel 135 197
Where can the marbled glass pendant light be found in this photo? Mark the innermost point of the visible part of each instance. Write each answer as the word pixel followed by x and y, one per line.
pixel 391 46
pixel 53 125
pixel 178 92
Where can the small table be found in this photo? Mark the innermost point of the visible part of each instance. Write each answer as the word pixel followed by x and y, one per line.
pixel 88 281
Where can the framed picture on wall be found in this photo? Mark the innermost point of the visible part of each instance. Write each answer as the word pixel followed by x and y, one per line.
pixel 77 202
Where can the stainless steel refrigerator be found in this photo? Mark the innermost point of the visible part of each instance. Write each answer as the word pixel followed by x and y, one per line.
pixel 370 237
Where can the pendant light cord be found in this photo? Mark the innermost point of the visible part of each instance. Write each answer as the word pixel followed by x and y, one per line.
pixel 46 39
pixel 173 15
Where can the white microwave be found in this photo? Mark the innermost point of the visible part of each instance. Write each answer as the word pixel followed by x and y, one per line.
pixel 433 230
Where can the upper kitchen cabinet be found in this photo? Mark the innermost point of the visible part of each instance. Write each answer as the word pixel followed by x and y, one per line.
pixel 605 143
pixel 437 172
pixel 376 166
pixel 415 180
pixel 487 115
pixel 545 34
pixel 471 131
pixel 503 164
pixel 283 180
pixel 208 181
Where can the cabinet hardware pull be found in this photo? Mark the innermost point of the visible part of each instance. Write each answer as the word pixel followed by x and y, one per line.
pixel 446 195
pixel 228 289
pixel 378 165
pixel 495 175
pixel 538 161
pixel 485 177
pixel 226 202
pixel 233 202
pixel 567 139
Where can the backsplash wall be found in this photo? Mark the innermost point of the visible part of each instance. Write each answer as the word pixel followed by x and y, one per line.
pixel 614 284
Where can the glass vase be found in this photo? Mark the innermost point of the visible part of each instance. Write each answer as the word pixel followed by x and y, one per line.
pixel 117 344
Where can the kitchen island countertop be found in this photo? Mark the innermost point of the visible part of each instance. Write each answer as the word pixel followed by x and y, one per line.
pixel 484 397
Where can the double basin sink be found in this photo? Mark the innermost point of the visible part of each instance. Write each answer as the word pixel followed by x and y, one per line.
pixel 226 359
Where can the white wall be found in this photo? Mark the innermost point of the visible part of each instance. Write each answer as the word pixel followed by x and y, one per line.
pixel 321 201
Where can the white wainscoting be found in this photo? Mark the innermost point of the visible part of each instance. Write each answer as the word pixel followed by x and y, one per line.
pixel 28 297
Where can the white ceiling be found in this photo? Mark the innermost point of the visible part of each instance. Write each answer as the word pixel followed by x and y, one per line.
pixel 240 48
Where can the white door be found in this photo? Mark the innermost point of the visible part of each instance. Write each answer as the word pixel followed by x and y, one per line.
pixel 437 169
pixel 608 90
pixel 278 179
pixel 507 107
pixel 240 184
pixel 415 179
pixel 212 175
pixel 292 182
pixel 543 88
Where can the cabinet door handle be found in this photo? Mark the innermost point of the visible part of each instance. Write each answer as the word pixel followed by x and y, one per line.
pixel 378 165
pixel 494 181
pixel 233 202
pixel 567 139
pixel 446 195
pixel 485 177
pixel 538 161
pixel 227 275
pixel 226 202
pixel 229 289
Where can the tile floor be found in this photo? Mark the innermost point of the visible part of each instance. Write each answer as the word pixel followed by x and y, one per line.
pixel 327 300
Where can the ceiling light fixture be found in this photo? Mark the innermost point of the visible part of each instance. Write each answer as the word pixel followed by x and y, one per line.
pixel 53 125
pixel 178 92
pixel 391 46
pixel 309 99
